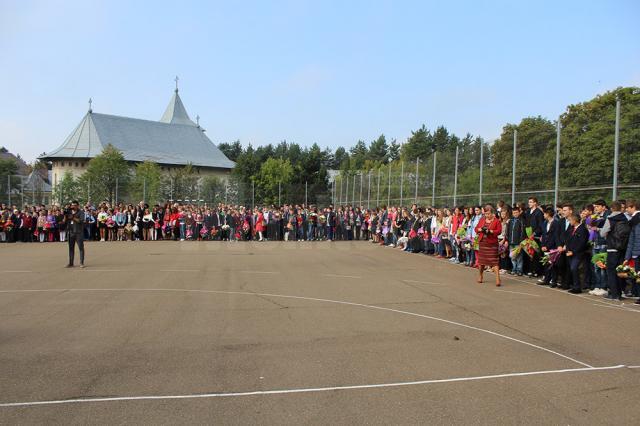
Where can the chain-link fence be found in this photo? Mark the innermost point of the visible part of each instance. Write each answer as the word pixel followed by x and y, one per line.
pixel 582 157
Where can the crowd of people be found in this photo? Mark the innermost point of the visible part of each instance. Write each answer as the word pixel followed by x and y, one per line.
pixel 593 249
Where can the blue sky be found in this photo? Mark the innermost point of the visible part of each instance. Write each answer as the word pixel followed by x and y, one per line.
pixel 308 71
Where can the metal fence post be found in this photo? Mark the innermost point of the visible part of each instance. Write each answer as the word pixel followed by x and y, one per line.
pixel 513 168
pixel 361 179
pixel 144 190
pixel 369 192
pixel 306 202
pixel 346 195
pixel 116 191
pixel 353 196
pixel 389 187
pixel 89 191
pixel 378 192
pixel 455 179
pixel 616 149
pixel 557 177
pixel 9 189
pixel 253 194
pixel 21 192
pixel 279 192
pixel 433 183
pixel 401 181
pixel 415 198
pixel 481 170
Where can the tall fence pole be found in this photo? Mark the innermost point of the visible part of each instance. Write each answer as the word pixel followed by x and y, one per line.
pixel 144 190
pixel 415 198
pixel 378 192
pixel 346 195
pixel 433 183
pixel 455 180
pixel 21 192
pixel 389 187
pixel 306 202
pixel 9 189
pixel 557 177
pixel 369 192
pixel 253 195
pixel 116 191
pixel 513 168
pixel 616 149
pixel 279 192
pixel 481 170
pixel 353 191
pixel 361 184
pixel 401 181
pixel 171 189
pixel 89 191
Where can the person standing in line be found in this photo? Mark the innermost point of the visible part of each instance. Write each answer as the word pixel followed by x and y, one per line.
pixel 74 217
pixel 633 246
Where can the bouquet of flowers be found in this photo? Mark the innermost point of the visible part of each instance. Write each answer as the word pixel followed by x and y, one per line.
pixel 515 252
pixel 593 235
pixel 551 257
pixel 167 228
pixel 246 228
pixel 435 240
pixel 626 271
pixel 110 222
pixel 214 232
pixel 225 227
pixel 502 249
pixel 189 233
pixel 476 242
pixel 461 233
pixel 529 245
pixel 8 226
pixel 204 232
pixel 600 260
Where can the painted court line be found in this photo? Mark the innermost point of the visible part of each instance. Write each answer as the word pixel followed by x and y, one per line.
pixel 517 292
pixel 16 272
pixel 339 302
pixel 305 390
pixel 422 282
pixel 341 276
pixel 621 308
pixel 179 270
pixel 259 272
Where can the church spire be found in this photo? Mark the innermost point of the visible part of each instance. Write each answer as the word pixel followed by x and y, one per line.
pixel 176 112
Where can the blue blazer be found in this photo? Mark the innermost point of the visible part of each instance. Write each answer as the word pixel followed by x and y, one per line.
pixel 550 238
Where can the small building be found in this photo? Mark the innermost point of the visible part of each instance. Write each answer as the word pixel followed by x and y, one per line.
pixel 26 186
pixel 173 142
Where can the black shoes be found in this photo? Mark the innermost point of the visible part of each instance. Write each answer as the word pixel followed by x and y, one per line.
pixel 575 291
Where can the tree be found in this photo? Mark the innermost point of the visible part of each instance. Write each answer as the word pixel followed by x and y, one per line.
pixel 274 173
pixel 213 189
pixel 68 189
pixel 231 150
pixel 145 184
pixel 104 172
pixel 358 155
pixel 394 151
pixel 379 150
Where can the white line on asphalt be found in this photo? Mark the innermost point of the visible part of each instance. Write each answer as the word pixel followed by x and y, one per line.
pixel 16 272
pixel 341 276
pixel 179 270
pixel 305 390
pixel 423 282
pixel 622 308
pixel 339 302
pixel 104 270
pixel 517 292
pixel 633 366
pixel 259 272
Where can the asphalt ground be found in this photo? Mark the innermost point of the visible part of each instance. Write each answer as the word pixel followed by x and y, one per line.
pixel 301 333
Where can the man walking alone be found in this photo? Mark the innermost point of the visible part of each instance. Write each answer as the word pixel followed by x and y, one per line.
pixel 74 217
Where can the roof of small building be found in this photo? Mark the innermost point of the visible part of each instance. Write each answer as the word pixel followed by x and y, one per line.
pixel 175 139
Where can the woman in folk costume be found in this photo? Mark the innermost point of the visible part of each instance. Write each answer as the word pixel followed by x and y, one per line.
pixel 260 226
pixel 488 229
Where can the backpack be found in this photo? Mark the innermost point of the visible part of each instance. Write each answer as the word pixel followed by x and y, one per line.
pixel 619 236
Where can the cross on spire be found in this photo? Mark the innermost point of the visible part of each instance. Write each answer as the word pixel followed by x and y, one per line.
pixel 90 102
pixel 176 80
pixel 198 120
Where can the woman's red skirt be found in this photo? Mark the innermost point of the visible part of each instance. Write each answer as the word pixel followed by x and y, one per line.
pixel 488 254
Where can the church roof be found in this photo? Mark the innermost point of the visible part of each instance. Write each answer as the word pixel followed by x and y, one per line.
pixel 173 140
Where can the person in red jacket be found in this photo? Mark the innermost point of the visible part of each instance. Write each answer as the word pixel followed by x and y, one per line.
pixel 488 230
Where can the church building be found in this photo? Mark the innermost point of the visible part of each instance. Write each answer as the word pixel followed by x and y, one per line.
pixel 173 142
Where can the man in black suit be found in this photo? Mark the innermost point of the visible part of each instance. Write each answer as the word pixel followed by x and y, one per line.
pixel 577 241
pixel 548 242
pixel 564 225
